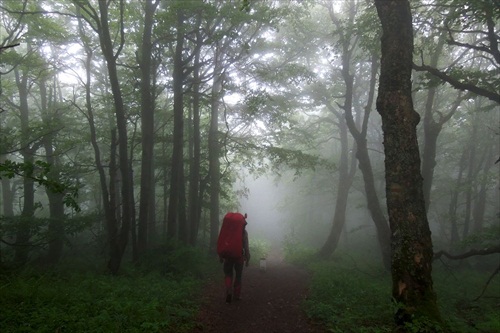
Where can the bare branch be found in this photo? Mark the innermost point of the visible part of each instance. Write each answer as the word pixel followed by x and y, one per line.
pixel 495 97
pixel 487 283
pixel 2 48
pixel 471 253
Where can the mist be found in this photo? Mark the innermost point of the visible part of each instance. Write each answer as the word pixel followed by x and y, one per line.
pixel 129 128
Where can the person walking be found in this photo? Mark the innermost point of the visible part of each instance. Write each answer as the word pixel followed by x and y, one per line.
pixel 234 253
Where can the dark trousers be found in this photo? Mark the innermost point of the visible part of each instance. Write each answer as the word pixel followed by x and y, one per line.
pixel 231 265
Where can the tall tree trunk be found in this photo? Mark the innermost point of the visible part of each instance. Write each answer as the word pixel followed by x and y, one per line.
pixel 23 233
pixel 431 131
pixel 411 237
pixel 107 195
pixel 470 177
pixel 178 135
pixel 100 22
pixel 346 39
pixel 345 178
pixel 194 168
pixel 479 208
pixel 453 207
pixel 7 200
pixel 365 166
pixel 214 150
pixel 147 129
pixel 56 204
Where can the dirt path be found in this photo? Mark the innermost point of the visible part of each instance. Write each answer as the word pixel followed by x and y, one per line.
pixel 270 302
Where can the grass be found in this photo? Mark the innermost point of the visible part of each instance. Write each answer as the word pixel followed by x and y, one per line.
pixel 350 295
pixel 346 299
pixel 76 301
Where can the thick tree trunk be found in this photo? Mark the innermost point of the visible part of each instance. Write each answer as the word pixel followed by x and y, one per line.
pixel 178 135
pixel 23 233
pixel 214 153
pixel 411 237
pixel 147 130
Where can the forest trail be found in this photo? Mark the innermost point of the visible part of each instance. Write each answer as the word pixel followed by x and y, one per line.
pixel 270 302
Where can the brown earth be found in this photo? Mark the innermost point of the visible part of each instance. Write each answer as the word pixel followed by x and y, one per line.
pixel 271 302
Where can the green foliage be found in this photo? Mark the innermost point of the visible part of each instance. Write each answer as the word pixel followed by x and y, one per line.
pixel 175 258
pixel 259 248
pixel 39 172
pixel 296 253
pixel 159 300
pixel 458 290
pixel 488 236
pixel 422 325
pixel 343 293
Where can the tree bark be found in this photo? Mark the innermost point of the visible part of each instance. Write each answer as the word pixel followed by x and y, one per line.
pixel 345 176
pixel 362 154
pixel 56 204
pixel 214 151
pixel 411 237
pixel 453 206
pixel 178 135
pixel 194 168
pixel 100 24
pixel 107 195
pixel 23 233
pixel 147 129
pixel 344 184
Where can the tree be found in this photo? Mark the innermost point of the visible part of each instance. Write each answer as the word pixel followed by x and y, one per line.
pixel 471 34
pixel 147 129
pixel 411 240
pixel 99 21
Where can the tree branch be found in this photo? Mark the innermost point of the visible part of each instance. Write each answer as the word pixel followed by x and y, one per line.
pixel 495 97
pixel 8 46
pixel 471 253
pixel 487 283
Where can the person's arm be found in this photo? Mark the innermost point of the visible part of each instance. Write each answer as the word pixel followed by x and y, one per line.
pixel 246 247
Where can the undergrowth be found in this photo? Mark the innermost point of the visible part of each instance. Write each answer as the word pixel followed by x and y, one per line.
pixel 259 248
pixel 138 300
pixel 351 293
pixel 348 299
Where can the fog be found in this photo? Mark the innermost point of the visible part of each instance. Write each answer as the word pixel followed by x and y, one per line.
pixel 262 205
pixel 281 208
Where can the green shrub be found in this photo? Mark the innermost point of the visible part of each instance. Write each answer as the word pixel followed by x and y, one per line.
pixel 175 258
pixel 259 248
pixel 341 296
pixel 161 300
pixel 296 253
pixel 349 295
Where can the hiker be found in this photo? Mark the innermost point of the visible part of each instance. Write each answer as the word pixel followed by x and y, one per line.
pixel 233 251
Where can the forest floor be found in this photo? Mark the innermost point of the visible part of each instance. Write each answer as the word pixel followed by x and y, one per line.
pixel 271 301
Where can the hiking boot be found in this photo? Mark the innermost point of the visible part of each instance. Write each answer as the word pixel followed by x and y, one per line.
pixel 228 298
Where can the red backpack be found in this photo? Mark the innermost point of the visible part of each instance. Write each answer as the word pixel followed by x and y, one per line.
pixel 230 242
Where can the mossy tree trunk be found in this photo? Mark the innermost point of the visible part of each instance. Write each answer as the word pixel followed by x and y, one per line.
pixel 411 242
